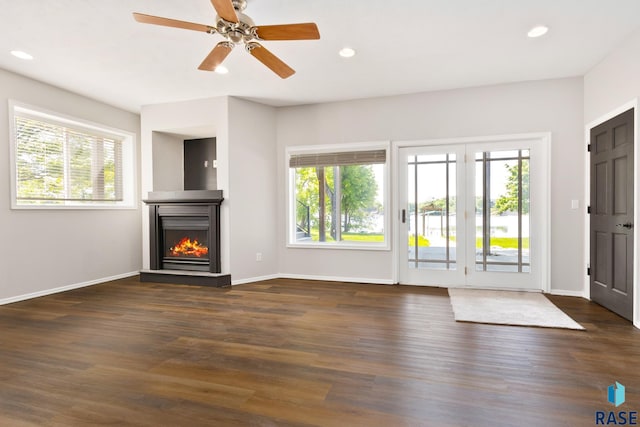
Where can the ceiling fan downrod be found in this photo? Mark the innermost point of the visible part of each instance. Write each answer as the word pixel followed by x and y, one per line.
pixel 239 5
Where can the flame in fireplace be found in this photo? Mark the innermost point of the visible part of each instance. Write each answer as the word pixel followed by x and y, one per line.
pixel 190 248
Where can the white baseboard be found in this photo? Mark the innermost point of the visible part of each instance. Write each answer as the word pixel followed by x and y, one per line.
pixel 309 277
pixel 65 288
pixel 337 279
pixel 254 279
pixel 566 293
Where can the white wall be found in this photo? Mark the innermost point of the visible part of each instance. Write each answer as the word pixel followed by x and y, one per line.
pixel 614 81
pixel 253 187
pixel 552 105
pixel 611 84
pixel 168 162
pixel 42 250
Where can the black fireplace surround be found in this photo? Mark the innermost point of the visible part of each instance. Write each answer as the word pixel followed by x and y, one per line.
pixel 184 237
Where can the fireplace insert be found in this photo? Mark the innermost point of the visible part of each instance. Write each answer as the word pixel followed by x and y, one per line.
pixel 185 243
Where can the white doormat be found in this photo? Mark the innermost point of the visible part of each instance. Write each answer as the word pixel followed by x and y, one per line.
pixel 508 308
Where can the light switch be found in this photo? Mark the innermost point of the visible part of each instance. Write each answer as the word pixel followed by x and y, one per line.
pixel 575 204
pixel 206 163
pixel 215 164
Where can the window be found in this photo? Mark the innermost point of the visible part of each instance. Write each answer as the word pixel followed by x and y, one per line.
pixel 63 162
pixel 338 198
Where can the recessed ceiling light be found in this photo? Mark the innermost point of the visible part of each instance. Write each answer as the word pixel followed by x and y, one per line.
pixel 22 55
pixel 538 31
pixel 221 69
pixel 347 52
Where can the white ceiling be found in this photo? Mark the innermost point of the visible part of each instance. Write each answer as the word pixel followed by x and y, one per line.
pixel 95 48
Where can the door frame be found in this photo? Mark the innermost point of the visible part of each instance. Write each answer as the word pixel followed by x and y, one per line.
pixel 544 141
pixel 634 103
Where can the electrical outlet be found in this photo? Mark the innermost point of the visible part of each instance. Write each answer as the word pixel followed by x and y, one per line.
pixel 258 256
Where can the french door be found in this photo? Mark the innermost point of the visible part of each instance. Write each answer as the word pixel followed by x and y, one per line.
pixel 474 214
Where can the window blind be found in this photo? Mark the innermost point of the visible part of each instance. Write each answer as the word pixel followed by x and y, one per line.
pixel 66 162
pixel 344 158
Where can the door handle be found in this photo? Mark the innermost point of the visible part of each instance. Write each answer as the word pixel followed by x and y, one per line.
pixel 404 216
pixel 626 225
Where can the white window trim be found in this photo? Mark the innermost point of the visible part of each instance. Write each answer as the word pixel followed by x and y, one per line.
pixel 128 159
pixel 337 148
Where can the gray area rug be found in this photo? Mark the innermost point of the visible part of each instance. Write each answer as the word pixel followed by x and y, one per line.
pixel 508 308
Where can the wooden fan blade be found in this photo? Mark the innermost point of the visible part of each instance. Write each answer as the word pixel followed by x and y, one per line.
pixel 306 31
pixel 270 60
pixel 225 9
pixel 216 56
pixel 167 22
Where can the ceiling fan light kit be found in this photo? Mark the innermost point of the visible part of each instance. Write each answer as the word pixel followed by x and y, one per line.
pixel 238 28
pixel 221 69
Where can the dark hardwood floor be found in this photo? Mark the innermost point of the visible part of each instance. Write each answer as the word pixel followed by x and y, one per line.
pixel 287 352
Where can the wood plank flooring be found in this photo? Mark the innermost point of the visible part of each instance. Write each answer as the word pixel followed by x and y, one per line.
pixel 300 353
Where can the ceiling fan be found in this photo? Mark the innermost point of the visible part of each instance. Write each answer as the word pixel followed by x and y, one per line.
pixel 236 28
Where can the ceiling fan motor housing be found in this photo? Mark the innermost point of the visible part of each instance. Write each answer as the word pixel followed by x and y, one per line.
pixel 237 32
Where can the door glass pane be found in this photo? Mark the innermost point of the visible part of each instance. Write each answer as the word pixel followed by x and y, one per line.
pixel 432 211
pixel 502 211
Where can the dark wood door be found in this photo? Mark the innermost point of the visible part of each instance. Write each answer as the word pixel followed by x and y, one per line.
pixel 612 145
pixel 199 170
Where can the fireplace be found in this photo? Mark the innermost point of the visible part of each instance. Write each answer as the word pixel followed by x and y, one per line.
pixel 185 243
pixel 184 235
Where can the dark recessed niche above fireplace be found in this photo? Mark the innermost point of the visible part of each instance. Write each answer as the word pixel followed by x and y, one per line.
pixel 184 237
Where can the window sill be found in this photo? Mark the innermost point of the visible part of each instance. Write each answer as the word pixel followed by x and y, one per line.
pixel 341 246
pixel 78 207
